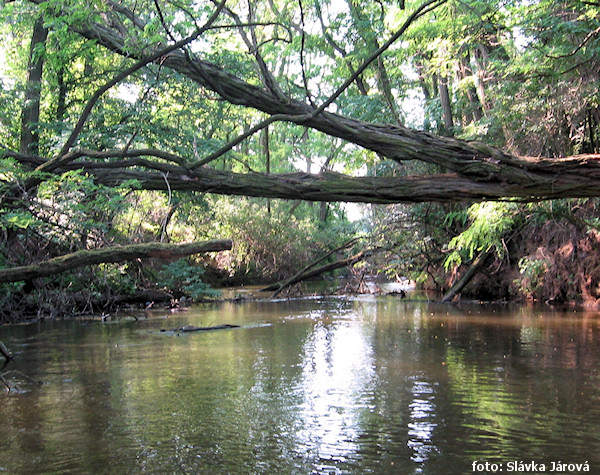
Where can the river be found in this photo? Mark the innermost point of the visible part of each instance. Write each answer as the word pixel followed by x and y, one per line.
pixel 317 385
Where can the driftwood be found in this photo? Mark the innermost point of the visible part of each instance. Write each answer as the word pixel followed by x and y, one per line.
pixel 110 255
pixel 191 328
pixel 467 277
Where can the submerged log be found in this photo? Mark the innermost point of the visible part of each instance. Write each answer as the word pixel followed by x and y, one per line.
pixel 191 328
pixel 110 255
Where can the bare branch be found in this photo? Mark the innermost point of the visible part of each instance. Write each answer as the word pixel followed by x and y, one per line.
pixel 257 128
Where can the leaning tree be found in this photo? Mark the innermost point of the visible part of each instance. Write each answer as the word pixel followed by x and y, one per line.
pixel 157 36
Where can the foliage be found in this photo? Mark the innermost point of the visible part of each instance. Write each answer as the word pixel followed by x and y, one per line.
pixel 489 226
pixel 521 75
pixel 273 245
pixel 531 278
pixel 413 237
pixel 182 277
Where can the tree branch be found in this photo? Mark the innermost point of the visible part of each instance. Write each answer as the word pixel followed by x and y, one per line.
pixel 257 128
pixel 279 286
pixel 480 171
pixel 315 272
pixel 62 155
pixel 419 12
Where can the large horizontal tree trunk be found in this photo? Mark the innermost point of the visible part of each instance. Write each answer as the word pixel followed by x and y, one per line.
pixel 470 159
pixel 478 171
pixel 580 179
pixel 111 254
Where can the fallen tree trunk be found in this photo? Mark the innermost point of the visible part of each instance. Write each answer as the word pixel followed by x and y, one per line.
pixel 349 261
pixel 573 177
pixel 278 285
pixel 467 277
pixel 479 172
pixel 110 255
pixel 478 165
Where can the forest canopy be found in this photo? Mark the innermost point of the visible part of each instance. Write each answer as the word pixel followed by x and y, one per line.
pixel 128 122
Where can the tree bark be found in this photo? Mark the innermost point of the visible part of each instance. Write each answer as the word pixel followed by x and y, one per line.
pixel 572 177
pixel 473 160
pixel 31 110
pixel 110 255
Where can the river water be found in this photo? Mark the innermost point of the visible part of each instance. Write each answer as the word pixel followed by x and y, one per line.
pixel 317 385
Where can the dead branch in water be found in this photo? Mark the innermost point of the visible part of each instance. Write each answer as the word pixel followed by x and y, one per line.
pixel 191 328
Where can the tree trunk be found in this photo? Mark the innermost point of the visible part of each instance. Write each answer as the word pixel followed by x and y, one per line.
pixel 446 106
pixel 369 36
pixel 61 101
pixel 113 254
pixel 573 177
pixel 467 277
pixel 480 172
pixel 475 110
pixel 31 110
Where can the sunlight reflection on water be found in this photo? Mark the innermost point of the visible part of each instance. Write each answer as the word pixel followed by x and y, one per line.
pixel 421 427
pixel 337 372
pixel 362 385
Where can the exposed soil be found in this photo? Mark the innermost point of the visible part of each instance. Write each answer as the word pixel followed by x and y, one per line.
pixel 556 261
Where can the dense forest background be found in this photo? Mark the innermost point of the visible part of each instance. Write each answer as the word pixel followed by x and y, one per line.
pixel 466 133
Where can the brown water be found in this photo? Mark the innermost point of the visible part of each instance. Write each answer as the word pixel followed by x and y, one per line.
pixel 365 385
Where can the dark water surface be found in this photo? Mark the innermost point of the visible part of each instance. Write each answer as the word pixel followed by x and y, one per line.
pixel 365 385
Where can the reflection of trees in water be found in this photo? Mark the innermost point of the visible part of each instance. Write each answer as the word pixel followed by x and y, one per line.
pixel 371 383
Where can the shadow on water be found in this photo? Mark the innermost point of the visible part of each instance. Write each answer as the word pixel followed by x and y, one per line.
pixel 330 385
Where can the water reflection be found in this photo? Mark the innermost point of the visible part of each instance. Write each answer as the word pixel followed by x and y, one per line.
pixel 337 374
pixel 421 427
pixel 369 385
